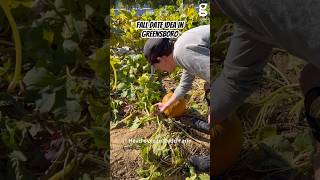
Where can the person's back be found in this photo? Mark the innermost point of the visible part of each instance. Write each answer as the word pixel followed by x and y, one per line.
pixel 192 53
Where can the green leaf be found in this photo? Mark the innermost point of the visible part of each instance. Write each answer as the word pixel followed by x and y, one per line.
pixel 97 109
pixel 278 142
pixel 48 35
pixel 204 176
pixel 58 4
pixel 35 128
pixel 38 78
pixel 265 133
pixel 74 28
pixel 85 177
pixel 69 45
pixel 193 175
pixel 136 124
pixel 303 142
pixel 271 158
pixel 89 11
pixel 74 110
pixel 126 13
pixel 98 62
pixel 160 149
pixel 99 134
pixel 46 102
pixel 81 28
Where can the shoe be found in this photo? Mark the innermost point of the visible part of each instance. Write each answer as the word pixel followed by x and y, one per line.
pixel 200 163
pixel 200 125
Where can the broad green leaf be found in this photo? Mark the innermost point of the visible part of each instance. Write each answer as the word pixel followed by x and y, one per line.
pixel 89 11
pixel 278 142
pixel 204 176
pixel 69 45
pixel 58 4
pixel 81 27
pixel 35 128
pixel 85 177
pixel 193 175
pixel 46 102
pixel 74 28
pixel 136 124
pixel 303 142
pixel 99 134
pixel 73 111
pixel 48 35
pixel 265 133
pixel 98 62
pixel 38 78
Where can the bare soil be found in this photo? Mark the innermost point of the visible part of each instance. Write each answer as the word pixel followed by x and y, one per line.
pixel 125 159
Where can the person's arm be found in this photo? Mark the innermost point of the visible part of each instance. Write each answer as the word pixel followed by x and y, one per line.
pixel 184 86
pixel 243 68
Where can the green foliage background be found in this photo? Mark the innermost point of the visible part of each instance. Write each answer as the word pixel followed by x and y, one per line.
pixel 53 99
pixel 134 93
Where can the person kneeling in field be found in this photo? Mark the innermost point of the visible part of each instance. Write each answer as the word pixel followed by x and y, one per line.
pixel 191 52
pixel 260 25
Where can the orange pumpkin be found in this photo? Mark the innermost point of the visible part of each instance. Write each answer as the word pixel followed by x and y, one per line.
pixel 176 109
pixel 226 142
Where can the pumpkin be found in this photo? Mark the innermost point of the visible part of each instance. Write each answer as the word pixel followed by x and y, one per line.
pixel 176 109
pixel 226 142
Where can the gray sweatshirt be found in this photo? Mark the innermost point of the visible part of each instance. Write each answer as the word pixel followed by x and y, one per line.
pixel 293 25
pixel 192 53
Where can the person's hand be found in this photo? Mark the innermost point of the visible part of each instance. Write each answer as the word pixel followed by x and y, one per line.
pixel 161 107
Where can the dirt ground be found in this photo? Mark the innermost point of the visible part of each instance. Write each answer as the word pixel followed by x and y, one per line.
pixel 125 158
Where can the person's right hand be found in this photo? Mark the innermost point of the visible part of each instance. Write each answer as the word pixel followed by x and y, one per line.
pixel 161 107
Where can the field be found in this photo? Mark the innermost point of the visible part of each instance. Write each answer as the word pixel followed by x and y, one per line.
pixel 53 99
pixel 277 140
pixel 133 96
pixel 55 106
